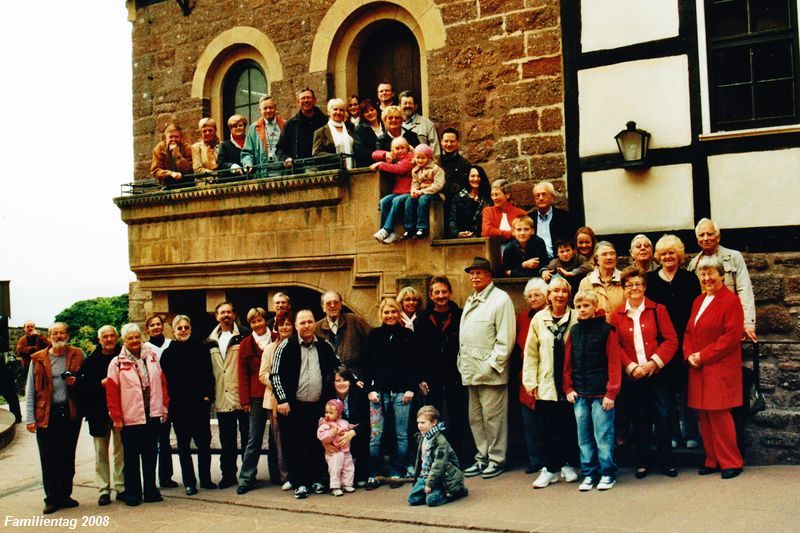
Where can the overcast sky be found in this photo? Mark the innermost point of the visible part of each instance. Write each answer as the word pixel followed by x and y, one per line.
pixel 66 96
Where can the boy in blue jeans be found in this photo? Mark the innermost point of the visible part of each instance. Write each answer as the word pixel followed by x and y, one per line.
pixel 439 477
pixel 592 379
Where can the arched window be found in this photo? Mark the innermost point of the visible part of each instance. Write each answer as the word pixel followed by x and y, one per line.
pixel 244 84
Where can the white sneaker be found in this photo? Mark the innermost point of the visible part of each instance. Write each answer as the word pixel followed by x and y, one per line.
pixel 568 474
pixel 337 492
pixel 381 234
pixel 287 486
pixel 692 444
pixel 348 489
pixel 606 482
pixel 545 478
pixel 391 238
pixel 587 484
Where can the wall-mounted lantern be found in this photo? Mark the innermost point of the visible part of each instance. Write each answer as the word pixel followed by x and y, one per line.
pixel 633 144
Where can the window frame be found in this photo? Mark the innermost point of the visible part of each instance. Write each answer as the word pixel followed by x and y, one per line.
pixel 229 83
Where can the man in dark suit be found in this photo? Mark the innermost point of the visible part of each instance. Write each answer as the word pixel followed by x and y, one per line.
pixel 550 223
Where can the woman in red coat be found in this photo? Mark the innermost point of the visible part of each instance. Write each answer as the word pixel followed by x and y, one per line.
pixel 712 346
pixel 496 221
pixel 648 342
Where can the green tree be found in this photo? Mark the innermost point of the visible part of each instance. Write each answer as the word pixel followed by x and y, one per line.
pixel 86 316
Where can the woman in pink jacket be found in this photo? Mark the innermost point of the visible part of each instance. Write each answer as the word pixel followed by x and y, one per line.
pixel 136 392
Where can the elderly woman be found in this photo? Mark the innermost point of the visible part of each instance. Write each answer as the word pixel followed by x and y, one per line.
pixel 336 136
pixel 604 279
pixel 366 133
pixel 187 367
pixel 712 347
pixel 536 295
pixel 542 377
pixel 466 209
pixel 496 219
pixel 736 277
pixel 229 153
pixel 648 342
pixel 136 392
pixel 204 151
pixel 154 325
pixel 642 253
pixel 251 394
pixel 278 472
pixel 356 411
pixel 392 367
pixel 172 159
pixel 675 288
pixel 393 120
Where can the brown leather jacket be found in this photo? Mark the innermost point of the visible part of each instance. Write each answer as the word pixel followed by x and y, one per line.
pixel 43 383
pixel 25 349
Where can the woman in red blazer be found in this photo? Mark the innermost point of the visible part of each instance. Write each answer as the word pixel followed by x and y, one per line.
pixel 712 346
pixel 648 342
pixel 497 218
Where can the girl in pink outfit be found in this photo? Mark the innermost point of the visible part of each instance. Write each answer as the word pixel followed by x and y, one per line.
pixel 399 163
pixel 335 435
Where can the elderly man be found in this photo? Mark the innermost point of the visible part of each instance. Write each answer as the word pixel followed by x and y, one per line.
pixel 302 375
pixel 345 331
pixel 737 279
pixel 32 341
pixel 92 400
pixel 224 344
pixel 261 141
pixel 283 306
pixel 486 337
pixel 172 159
pixel 51 413
pixel 422 126
pixel 297 138
pixel 550 223
pixel 642 253
pixel 385 95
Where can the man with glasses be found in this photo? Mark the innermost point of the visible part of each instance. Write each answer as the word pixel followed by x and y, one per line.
pixel 550 224
pixel 346 332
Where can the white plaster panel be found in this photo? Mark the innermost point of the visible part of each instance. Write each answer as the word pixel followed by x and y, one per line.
pixel 607 24
pixel 653 92
pixel 657 199
pixel 755 189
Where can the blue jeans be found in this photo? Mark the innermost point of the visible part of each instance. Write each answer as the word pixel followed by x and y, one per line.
pixel 595 437
pixel 417 211
pixel 392 206
pixel 255 440
pixel 417 495
pixel 390 401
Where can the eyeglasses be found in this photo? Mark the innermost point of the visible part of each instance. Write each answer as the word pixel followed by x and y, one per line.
pixel 184 328
pixel 638 285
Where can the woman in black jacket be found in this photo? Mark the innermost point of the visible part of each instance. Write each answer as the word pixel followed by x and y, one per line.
pixel 366 133
pixel 356 411
pixel 186 364
pixel 392 369
pixel 464 218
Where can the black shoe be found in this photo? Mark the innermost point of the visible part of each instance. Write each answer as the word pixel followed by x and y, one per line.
pixel 706 470
pixel 153 498
pixel 641 473
pixel 167 484
pixel 69 502
pixel 208 485
pixel 318 488
pixel 104 500
pixel 243 489
pixel 421 234
pixel 301 492
pixel 730 473
pixel 533 469
pixel 131 502
pixel 670 471
pixel 407 234
pixel 463 493
pixel 50 508
pixel 121 496
pixel 191 491
pixel 372 484
pixel 226 482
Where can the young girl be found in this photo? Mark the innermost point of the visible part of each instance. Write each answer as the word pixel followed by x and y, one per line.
pixel 398 162
pixel 427 179
pixel 335 434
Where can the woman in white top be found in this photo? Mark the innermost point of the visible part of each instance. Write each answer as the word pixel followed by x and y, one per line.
pixel 335 137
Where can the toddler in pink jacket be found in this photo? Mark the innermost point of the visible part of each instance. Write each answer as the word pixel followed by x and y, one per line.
pixel 335 435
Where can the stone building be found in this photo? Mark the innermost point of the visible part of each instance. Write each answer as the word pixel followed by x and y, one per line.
pixel 538 88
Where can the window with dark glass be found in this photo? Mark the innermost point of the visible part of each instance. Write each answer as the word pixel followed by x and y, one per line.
pixel 753 63
pixel 244 84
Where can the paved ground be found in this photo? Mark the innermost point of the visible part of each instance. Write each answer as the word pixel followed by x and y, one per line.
pixel 762 499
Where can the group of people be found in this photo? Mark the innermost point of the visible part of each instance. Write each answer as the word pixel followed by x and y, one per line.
pixel 595 360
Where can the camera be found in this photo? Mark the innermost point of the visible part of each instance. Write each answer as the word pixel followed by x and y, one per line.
pixel 66 374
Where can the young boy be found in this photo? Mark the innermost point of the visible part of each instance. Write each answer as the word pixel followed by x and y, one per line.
pixel 525 254
pixel 399 163
pixel 427 179
pixel 439 478
pixel 573 266
pixel 592 379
